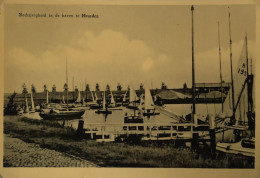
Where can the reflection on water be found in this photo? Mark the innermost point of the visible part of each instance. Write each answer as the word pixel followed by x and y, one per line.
pixel 117 116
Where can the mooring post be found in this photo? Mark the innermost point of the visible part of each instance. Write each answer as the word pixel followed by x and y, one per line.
pixel 103 134
pixel 195 136
pixel 212 135
pixel 127 129
pixel 150 131
pixel 195 141
pixel 171 131
pixel 80 130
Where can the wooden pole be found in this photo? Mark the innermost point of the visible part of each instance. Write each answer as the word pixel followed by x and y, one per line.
pixel 212 134
pixel 193 67
pixel 231 70
pixel 220 69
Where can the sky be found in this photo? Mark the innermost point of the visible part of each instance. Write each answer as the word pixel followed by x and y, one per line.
pixel 127 44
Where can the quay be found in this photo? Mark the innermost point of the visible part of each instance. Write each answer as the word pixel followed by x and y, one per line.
pixel 146 131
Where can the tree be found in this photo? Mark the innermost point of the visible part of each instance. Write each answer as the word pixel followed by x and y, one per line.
pixel 53 88
pixel 24 89
pixel 65 87
pixel 119 87
pixel 76 89
pixel 97 87
pixel 164 87
pixel 128 88
pixel 185 86
pixel 33 89
pixel 108 88
pixel 87 87
pixel 141 87
pixel 45 88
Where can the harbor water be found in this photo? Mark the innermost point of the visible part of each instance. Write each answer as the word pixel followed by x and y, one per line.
pixel 117 116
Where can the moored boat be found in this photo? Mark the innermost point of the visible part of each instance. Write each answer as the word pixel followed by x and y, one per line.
pixel 244 147
pixel 104 109
pixel 55 114
pixel 133 99
pixel 149 109
pixel 240 116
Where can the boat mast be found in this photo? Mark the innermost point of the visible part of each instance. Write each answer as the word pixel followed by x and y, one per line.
pixel 67 88
pixel 249 105
pixel 251 66
pixel 73 84
pixel 232 82
pixel 193 69
pixel 221 87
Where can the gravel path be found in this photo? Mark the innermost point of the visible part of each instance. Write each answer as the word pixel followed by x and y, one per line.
pixel 18 153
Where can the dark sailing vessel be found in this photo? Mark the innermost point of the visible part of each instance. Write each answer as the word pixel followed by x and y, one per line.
pixel 56 114
pixel 61 112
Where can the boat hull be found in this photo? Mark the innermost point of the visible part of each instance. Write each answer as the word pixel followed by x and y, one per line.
pixel 133 119
pixel 95 106
pixel 150 113
pixel 132 107
pixel 235 148
pixel 62 115
pixel 103 112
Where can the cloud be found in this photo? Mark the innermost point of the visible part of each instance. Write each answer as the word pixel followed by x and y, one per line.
pixel 148 63
pixel 110 57
pixel 207 64
pixel 106 57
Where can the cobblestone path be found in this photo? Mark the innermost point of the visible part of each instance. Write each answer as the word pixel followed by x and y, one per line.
pixel 18 153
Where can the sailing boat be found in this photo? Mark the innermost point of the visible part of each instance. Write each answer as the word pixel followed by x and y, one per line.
pixel 60 112
pixel 132 100
pixel 240 116
pixel 32 102
pixel 133 118
pixel 94 104
pixel 149 104
pixel 112 102
pixel 104 109
pixel 113 105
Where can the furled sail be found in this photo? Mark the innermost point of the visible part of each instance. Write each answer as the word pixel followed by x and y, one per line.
pixel 79 97
pixel 47 97
pixel 26 105
pixel 63 99
pixel 32 102
pixel 112 102
pixel 104 101
pixel 92 96
pixel 96 98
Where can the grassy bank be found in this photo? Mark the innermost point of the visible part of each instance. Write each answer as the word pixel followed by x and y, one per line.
pixel 52 135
